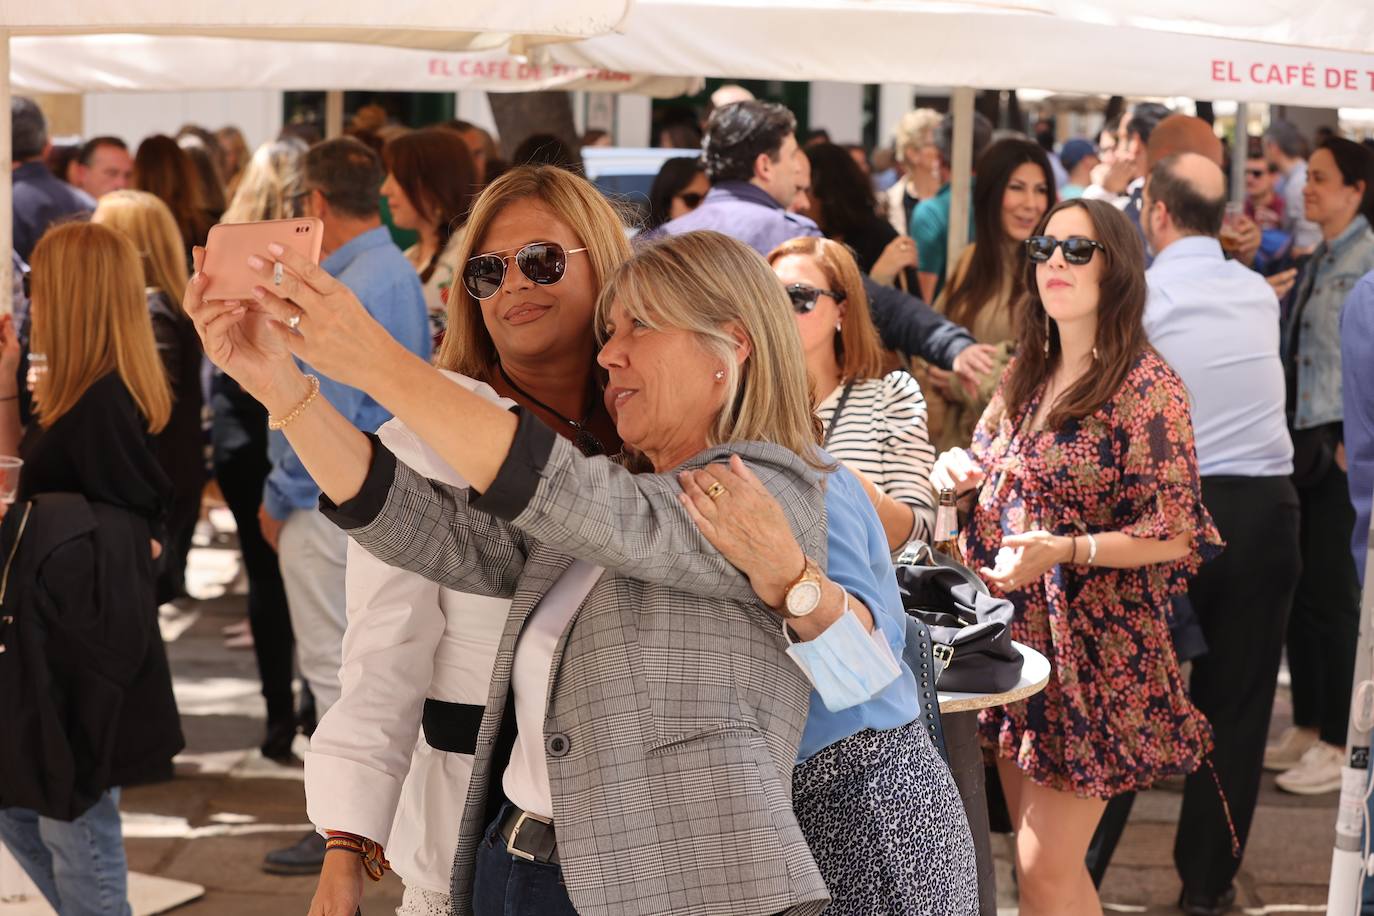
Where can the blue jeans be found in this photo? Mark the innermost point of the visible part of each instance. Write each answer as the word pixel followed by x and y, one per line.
pixel 78 865
pixel 506 885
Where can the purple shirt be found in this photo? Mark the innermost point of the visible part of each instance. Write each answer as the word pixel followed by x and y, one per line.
pixel 743 211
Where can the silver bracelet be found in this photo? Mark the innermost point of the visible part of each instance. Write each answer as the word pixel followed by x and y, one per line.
pixel 1092 548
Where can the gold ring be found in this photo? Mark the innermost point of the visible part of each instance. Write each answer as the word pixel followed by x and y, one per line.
pixel 716 490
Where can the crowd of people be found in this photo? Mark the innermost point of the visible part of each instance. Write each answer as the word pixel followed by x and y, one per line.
pixel 577 521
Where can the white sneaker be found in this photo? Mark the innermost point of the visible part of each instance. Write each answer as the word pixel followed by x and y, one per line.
pixel 1318 773
pixel 1286 753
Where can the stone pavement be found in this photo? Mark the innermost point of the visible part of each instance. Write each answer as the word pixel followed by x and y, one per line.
pixel 228 806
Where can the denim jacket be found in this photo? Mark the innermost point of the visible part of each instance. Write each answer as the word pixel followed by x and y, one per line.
pixel 1336 266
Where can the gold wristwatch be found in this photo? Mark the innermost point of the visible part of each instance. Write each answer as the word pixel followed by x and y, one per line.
pixel 804 594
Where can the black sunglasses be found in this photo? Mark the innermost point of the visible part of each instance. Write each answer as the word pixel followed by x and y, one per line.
pixel 804 298
pixel 1257 173
pixel 541 262
pixel 1077 250
pixel 692 199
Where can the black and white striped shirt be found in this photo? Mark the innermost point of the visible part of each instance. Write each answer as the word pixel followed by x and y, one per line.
pixel 882 433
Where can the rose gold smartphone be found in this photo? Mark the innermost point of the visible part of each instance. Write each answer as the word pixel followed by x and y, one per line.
pixel 229 245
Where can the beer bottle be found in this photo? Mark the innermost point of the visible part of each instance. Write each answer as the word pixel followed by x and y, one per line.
pixel 946 536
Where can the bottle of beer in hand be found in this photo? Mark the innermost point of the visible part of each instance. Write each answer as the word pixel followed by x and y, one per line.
pixel 946 536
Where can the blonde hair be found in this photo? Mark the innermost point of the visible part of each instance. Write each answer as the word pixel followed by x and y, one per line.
pixel 916 129
pixel 147 222
pixel 90 317
pixel 467 346
pixel 270 184
pixel 700 282
pixel 858 349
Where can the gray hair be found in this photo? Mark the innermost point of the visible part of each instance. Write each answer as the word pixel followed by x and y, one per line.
pixel 28 128
pixel 944 136
pixel 1286 136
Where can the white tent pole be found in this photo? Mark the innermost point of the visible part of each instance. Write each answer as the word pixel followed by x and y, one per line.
pixel 333 113
pixel 1240 153
pixel 7 191
pixel 961 172
pixel 1347 859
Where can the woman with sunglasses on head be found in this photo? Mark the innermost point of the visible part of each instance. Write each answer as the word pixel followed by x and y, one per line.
pixel 430 184
pixel 875 421
pixel 415 652
pixel 678 189
pixel 1015 187
pixel 1089 518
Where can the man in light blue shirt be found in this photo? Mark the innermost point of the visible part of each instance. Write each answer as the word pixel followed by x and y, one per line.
pixel 1216 322
pixel 343 179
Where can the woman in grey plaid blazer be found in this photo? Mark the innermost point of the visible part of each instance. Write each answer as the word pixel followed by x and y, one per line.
pixel 673 713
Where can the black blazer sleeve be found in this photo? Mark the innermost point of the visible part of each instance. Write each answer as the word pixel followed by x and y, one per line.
pixel 908 325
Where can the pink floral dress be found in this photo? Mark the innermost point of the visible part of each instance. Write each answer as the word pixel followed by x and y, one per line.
pixel 1115 716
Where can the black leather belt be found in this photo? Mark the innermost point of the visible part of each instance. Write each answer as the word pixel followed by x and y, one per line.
pixel 529 836
pixel 452 727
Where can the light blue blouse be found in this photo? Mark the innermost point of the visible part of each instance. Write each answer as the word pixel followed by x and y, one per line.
pixel 860 562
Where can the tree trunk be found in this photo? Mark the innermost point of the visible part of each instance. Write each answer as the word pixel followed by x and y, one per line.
pixel 520 114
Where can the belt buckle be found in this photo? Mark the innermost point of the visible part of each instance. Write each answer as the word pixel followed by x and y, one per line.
pixel 515 833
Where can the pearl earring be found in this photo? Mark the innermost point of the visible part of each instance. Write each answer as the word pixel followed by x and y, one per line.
pixel 1047 333
pixel 720 375
pixel 1094 354
pixel 839 326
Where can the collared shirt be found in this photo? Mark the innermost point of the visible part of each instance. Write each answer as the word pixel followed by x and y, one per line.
pixel 744 211
pixel 1216 323
pixel 41 199
pixel 859 562
pixel 380 276
pixel 1312 337
pixel 1357 391
pixel 1306 234
pixel 930 229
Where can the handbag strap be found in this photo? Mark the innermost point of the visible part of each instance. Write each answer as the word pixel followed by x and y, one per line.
pixel 839 409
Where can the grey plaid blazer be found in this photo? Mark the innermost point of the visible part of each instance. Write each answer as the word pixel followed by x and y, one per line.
pixel 680 710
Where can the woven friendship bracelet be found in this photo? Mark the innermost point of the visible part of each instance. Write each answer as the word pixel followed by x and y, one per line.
pixel 374 861
pixel 276 423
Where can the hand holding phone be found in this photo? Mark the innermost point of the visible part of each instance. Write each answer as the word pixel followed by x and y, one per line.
pixel 229 246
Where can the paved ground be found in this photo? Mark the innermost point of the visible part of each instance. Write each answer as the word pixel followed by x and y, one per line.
pixel 228 806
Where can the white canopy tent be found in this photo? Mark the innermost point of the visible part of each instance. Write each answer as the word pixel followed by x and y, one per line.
pixel 131 63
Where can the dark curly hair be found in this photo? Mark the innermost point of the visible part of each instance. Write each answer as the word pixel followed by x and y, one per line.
pixel 738 133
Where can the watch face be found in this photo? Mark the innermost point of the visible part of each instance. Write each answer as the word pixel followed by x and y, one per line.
pixel 803 598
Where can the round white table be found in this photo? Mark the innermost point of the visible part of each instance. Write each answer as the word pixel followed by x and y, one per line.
pixel 959 719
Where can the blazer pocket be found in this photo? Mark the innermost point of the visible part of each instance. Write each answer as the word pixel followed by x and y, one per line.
pixel 686 742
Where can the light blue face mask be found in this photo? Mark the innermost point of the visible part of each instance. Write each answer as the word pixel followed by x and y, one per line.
pixel 846 664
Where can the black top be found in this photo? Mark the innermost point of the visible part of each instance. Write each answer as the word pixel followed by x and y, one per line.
pixel 100 449
pixel 868 243
pixel 40 200
pixel 180 446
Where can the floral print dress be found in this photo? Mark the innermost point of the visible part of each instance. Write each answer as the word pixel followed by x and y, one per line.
pixel 1115 716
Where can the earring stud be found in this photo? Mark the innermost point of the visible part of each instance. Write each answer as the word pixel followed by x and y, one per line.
pixel 720 375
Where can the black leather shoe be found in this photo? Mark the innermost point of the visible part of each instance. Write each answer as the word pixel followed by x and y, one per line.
pixel 1207 904
pixel 304 858
pixel 276 745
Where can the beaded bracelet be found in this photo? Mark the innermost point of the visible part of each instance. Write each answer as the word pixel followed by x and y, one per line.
pixel 274 424
pixel 374 861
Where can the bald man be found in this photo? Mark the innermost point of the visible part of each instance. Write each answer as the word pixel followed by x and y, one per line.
pixel 1179 133
pixel 1217 323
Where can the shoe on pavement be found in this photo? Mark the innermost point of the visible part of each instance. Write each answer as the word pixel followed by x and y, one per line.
pixel 1286 753
pixel 1317 774
pixel 1207 904
pixel 304 858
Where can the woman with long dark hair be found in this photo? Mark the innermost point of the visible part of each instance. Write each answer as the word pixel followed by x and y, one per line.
pixel 1089 518
pixel 843 205
pixel 1015 187
pixel 163 168
pixel 430 185
pixel 678 189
